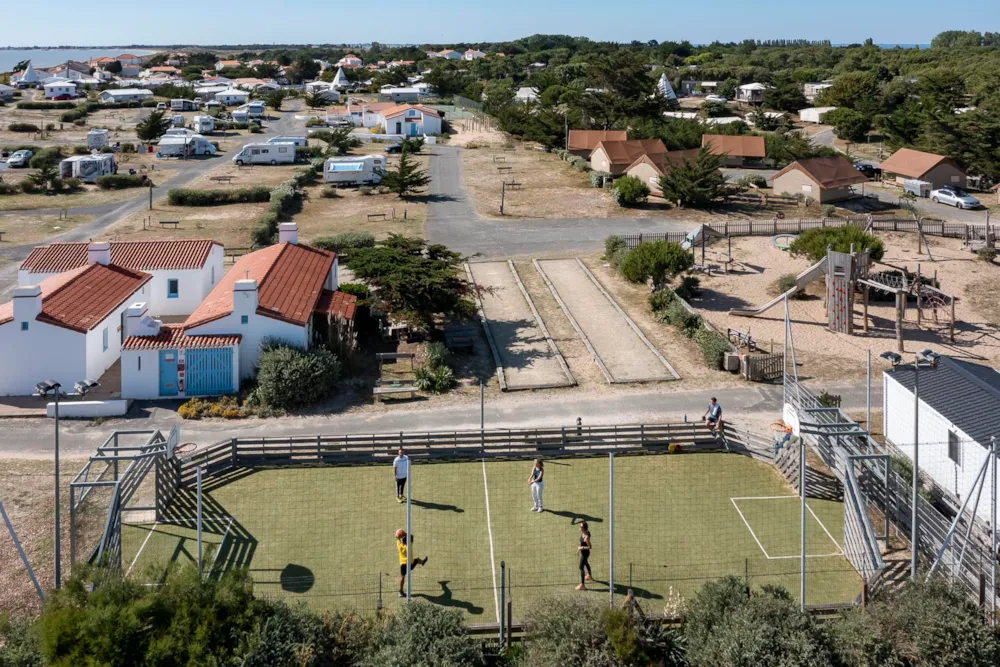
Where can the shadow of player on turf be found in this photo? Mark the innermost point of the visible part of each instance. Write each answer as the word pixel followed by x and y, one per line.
pixel 575 517
pixel 437 506
pixel 447 600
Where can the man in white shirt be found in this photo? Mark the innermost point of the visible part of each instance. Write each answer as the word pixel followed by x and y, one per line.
pixel 401 470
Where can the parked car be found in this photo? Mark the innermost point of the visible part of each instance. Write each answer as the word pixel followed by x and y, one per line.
pixel 715 98
pixel 869 170
pixel 954 196
pixel 19 159
pixel 63 97
pixel 394 148
pixel 161 106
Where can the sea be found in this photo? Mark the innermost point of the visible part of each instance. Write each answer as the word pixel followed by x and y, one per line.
pixel 43 58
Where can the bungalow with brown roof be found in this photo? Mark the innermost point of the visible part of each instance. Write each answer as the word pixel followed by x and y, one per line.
pixel 937 170
pixel 648 168
pixel 825 179
pixel 67 327
pixel 738 150
pixel 583 142
pixel 614 157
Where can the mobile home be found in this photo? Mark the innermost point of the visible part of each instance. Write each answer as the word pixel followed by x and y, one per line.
pixel 241 116
pixel 256 109
pixel 183 105
pixel 87 167
pixel 265 154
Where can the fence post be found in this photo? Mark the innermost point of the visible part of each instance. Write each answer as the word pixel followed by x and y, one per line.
pixel 611 528
pixel 198 471
pixel 503 599
pixel 993 534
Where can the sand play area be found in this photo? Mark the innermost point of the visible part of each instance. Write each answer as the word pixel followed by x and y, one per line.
pixel 822 354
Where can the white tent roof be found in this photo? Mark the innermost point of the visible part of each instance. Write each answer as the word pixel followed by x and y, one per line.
pixel 665 88
pixel 753 86
pixel 339 79
pixel 29 75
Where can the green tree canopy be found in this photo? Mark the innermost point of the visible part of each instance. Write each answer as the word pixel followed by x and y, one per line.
pixel 407 178
pixel 697 182
pixel 153 126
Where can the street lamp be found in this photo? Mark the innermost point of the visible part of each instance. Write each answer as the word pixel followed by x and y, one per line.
pixel 47 388
pixel 928 357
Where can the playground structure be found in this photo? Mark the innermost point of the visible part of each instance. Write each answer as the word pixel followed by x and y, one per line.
pixel 847 274
pixel 701 238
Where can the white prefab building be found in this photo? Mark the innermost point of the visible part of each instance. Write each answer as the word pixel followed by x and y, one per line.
pixel 183 105
pixel 59 88
pixel 182 272
pixel 126 95
pixel 232 96
pixel 526 94
pixel 97 138
pixel 399 95
pixel 67 328
pixel 411 120
pixel 814 114
pixel 88 168
pixel 959 412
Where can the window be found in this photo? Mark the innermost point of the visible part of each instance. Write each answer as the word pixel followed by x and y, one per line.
pixel 24 326
pixel 954 448
pixel 213 275
pixel 172 288
pixel 139 359
pixel 104 339
pixel 245 319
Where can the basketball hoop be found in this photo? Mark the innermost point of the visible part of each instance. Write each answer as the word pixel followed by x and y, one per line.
pixel 185 448
pixel 780 427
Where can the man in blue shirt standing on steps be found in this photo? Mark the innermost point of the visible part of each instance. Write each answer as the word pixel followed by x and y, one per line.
pixel 713 416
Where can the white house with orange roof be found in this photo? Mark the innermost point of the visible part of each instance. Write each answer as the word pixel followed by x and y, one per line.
pixel 182 271
pixel 223 64
pixel 350 61
pixel 473 54
pixel 411 120
pixel 69 327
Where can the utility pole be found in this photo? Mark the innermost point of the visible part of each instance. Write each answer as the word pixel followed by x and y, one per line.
pixel 503 188
pixel 916 469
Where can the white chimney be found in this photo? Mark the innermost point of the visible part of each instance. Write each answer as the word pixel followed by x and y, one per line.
pixel 27 302
pixel 245 297
pixel 138 322
pixel 99 252
pixel 288 232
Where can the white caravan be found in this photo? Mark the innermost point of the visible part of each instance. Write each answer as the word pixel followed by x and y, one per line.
pixel 203 124
pixel 88 168
pixel 358 170
pixel 265 154
pixel 298 141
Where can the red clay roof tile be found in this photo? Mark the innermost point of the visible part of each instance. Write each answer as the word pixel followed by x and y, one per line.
pixel 173 337
pixel 135 255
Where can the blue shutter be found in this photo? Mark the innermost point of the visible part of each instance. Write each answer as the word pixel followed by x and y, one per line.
pixel 209 372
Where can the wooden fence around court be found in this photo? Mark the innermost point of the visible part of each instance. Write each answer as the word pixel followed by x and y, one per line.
pixel 763 368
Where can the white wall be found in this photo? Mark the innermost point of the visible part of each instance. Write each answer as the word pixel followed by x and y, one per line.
pixel 955 478
pixel 99 359
pixel 257 329
pixel 72 409
pixel 42 352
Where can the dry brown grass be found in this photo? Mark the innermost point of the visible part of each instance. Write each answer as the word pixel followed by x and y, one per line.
pixel 34 228
pixel 244 177
pixel 88 195
pixel 229 225
pixel 349 213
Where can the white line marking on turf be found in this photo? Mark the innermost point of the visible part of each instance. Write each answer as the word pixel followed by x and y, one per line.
pixel 489 529
pixel 139 553
pixel 840 549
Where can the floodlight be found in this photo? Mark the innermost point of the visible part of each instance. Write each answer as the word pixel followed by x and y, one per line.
pixel 892 358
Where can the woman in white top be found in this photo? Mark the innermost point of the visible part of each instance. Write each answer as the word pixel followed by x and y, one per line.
pixel 535 481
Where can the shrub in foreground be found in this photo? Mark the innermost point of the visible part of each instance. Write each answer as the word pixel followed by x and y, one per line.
pixel 345 241
pixel 424 634
pixel 194 197
pixel 22 127
pixel 288 377
pixel 654 260
pixel 629 191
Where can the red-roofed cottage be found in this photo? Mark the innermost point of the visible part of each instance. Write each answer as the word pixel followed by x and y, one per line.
pixel 69 327
pixel 411 120
pixel 183 271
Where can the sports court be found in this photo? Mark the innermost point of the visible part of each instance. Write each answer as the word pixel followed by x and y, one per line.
pixel 325 535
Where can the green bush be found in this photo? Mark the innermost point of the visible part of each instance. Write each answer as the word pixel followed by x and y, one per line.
pixel 618 258
pixel 330 192
pixel 661 298
pixel 437 355
pixel 435 380
pixel 19 643
pixel 568 631
pixel 338 243
pixel 629 191
pixel 359 290
pixel 597 178
pixel 787 282
pixel 72 184
pixel 194 197
pixel 813 243
pixel 22 127
pixel 263 231
pixel 713 346
pixel 613 244
pixel 46 105
pixel 127 147
pixel 29 188
pixel 304 175
pixel 752 179
pixel 424 634
pixel 677 315
pixel 9 189
pixel 654 260
pixel 828 210
pixel 987 254
pixel 365 191
pixel 120 181
pixel 579 163
pixel 81 150
pixel 288 377
pixel 689 288
pixel 50 156
pixel 78 113
pixel 315 122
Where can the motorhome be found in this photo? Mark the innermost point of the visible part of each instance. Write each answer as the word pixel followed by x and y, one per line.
pixel 298 141
pixel 183 105
pixel 97 139
pixel 265 154
pixel 186 145
pixel 87 167
pixel 256 109
pixel 241 115
pixel 357 170
pixel 203 124
pixel 178 120
pixel 180 132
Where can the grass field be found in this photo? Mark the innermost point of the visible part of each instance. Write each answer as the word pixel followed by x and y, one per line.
pixel 324 535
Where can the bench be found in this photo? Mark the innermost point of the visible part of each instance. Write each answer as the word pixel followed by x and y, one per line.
pixel 741 339
pixel 379 392
pixel 503 168
pixel 512 185
pixel 220 179
pixel 499 158
pixel 372 216
pixel 175 223
pixel 460 337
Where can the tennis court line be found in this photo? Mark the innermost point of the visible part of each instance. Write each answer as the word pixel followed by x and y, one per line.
pixel 489 530
pixel 840 549
pixel 139 552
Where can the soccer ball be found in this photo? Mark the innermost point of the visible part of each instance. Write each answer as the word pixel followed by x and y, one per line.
pixel 400 533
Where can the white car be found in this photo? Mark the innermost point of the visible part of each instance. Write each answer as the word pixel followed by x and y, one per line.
pixel 19 159
pixel 715 98
pixel 954 196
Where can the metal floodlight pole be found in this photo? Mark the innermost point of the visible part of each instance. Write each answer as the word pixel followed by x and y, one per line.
pixel 503 598
pixel 611 528
pixel 199 520
pixel 409 535
pixel 802 522
pixel 914 529
pixel 58 522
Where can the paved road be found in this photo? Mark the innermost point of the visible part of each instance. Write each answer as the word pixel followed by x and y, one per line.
pixel 927 207
pixel 452 220
pixel 33 438
pixel 109 214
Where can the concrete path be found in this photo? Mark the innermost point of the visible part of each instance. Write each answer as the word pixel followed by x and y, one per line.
pixel 622 353
pixel 528 357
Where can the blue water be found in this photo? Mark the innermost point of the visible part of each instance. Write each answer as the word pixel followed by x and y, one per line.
pixel 43 58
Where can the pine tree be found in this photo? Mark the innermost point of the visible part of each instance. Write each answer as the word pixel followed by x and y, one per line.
pixel 406 179
pixel 153 126
pixel 695 183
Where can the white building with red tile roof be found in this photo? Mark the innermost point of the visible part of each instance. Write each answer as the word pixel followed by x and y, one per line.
pixel 183 271
pixel 411 120
pixel 69 327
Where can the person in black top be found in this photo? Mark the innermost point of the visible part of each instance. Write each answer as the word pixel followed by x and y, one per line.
pixel 584 553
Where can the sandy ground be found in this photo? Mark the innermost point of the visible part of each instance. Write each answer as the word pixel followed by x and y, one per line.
pixel 623 353
pixel 826 355
pixel 524 353
pixel 229 225
pixel 30 228
pixel 88 195
pixel 469 135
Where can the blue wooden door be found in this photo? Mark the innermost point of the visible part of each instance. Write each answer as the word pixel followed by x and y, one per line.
pixel 168 372
pixel 209 372
pixel 413 129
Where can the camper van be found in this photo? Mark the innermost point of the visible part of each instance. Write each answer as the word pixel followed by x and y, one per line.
pixel 298 141
pixel 241 116
pixel 256 109
pixel 203 124
pixel 178 120
pixel 87 167
pixel 185 145
pixel 97 139
pixel 357 170
pixel 265 154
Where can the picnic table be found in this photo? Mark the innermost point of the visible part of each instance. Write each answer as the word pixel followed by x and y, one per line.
pixel 220 179
pixel 372 216
pixel 175 223
pixel 512 185
pixel 504 168
pixel 460 336
pixel 499 158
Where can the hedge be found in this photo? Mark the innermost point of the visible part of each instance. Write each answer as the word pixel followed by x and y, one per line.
pixel 120 181
pixel 46 105
pixel 79 113
pixel 345 241
pixel 22 127
pixel 266 227
pixel 9 188
pixel 193 197
pixel 47 156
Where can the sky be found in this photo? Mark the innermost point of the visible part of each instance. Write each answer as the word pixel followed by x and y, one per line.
pixel 449 21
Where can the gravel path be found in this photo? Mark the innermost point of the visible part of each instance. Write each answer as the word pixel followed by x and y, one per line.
pixel 625 356
pixel 528 359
